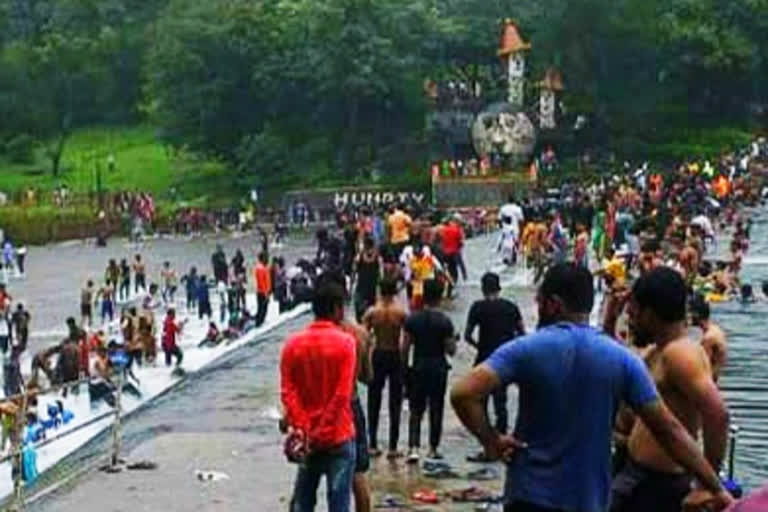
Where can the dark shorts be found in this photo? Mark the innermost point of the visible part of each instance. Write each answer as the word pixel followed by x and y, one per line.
pixel 639 489
pixel 85 310
pixel 363 460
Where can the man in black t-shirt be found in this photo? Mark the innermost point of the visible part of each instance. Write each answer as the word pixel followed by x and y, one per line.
pixel 499 321
pixel 432 336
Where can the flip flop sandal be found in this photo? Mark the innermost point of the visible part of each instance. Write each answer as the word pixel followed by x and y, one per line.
pixel 480 458
pixel 441 474
pixel 391 502
pixel 425 496
pixel 471 495
pixel 433 465
pixel 483 474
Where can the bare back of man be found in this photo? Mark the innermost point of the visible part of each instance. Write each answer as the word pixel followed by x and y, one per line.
pixel 670 366
pixel 715 345
pixel 385 320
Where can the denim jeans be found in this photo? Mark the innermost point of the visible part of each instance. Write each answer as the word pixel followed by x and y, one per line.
pixel 338 466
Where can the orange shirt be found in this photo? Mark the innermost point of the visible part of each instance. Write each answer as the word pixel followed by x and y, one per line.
pixel 263 279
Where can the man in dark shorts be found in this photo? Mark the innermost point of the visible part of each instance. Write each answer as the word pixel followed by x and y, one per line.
pixel 86 304
pixel 571 379
pixel 139 275
pixel 499 321
pixel 432 336
pixel 385 321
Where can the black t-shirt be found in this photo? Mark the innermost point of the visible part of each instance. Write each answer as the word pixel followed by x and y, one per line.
pixel 499 321
pixel 367 275
pixel 429 331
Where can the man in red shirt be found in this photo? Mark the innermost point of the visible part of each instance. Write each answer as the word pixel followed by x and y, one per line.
pixel 452 241
pixel 171 329
pixel 263 278
pixel 317 372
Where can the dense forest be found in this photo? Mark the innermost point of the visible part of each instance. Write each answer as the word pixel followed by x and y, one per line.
pixel 276 87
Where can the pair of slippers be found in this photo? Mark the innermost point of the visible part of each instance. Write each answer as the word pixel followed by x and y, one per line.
pixel 473 495
pixel 443 470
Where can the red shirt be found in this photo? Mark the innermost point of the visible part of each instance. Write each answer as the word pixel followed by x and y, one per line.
pixel 317 373
pixel 263 278
pixel 452 237
pixel 170 330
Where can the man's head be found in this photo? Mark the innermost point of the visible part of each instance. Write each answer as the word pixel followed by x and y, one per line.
pixel 138 258
pixel 700 310
pixel 71 323
pixel 328 300
pixel 433 292
pixel 171 313
pixel 89 284
pixel 388 288
pixel 263 258
pixel 567 292
pixel 658 301
pixel 167 264
pixel 368 243
pixel 489 284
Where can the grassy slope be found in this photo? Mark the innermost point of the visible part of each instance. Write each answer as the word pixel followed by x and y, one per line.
pixel 141 164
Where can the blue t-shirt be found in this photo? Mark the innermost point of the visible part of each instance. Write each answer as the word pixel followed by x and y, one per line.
pixel 571 379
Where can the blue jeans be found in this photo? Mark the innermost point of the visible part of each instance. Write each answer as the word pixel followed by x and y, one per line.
pixel 338 466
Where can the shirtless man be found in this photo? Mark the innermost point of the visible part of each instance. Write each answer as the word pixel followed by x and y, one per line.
pixel 86 304
pixel 689 261
pixel 364 372
pixel 385 321
pixel 651 479
pixel 713 341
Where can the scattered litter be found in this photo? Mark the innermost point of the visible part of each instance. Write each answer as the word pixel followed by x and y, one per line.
pixel 271 413
pixel 211 476
pixel 425 496
pixel 144 465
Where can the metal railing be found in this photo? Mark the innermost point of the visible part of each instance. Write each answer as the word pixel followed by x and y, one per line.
pixel 17 500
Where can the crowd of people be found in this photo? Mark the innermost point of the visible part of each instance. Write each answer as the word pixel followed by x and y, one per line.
pixel 608 419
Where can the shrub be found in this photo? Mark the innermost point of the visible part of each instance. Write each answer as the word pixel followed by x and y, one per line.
pixel 21 149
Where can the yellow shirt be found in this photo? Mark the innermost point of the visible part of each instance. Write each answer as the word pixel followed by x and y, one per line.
pixel 617 269
pixel 399 227
pixel 421 270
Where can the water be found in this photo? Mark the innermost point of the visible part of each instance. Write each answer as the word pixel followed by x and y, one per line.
pixel 223 419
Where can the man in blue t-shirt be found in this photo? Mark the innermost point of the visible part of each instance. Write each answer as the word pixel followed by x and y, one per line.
pixel 571 379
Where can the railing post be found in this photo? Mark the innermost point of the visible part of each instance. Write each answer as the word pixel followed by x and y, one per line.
pixel 17 445
pixel 116 427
